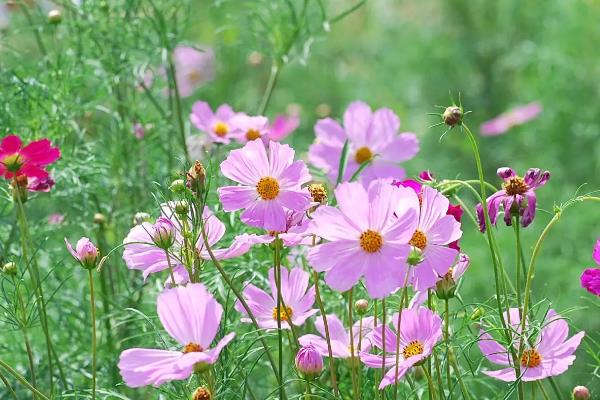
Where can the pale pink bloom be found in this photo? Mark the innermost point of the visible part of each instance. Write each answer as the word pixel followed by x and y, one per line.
pixel 514 117
pixel 297 298
pixel 551 355
pixel 218 124
pixel 270 184
pixel 191 316
pixel 56 219
pixel 193 68
pixel 85 252
pixel 283 126
pixel 247 128
pixel 40 185
pixel 371 136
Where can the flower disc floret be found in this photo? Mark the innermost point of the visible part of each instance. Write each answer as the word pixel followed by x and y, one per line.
pixel 267 188
pixel 371 241
pixel 531 358
pixel 363 154
pixel 419 240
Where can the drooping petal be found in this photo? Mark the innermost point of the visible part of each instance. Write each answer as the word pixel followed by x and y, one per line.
pixel 493 350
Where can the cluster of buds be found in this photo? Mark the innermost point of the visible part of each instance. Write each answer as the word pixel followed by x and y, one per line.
pixel 318 193
pixel 85 252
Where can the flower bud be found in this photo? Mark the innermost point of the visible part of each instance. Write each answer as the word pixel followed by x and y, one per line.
pixel 452 116
pixel 177 186
pixel 163 233
pixel 99 219
pixel 182 208
pixel 85 252
pixel 141 217
pixel 10 268
pixel 414 257
pixel 318 193
pixel 426 176
pixel 309 362
pixel 201 393
pixel 196 177
pixel 361 306
pixel 477 313
pixel 54 16
pixel 445 287
pixel 581 393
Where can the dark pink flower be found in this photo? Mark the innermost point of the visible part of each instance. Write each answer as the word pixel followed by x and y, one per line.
pixel 590 278
pixel 30 160
pixel 516 116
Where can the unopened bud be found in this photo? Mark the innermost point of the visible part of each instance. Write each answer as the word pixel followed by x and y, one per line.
pixel 453 116
pixel 141 217
pixel 10 268
pixel 99 219
pixel 177 186
pixel 318 193
pixel 361 306
pixel 182 208
pixel 196 177
pixel 309 362
pixel 477 314
pixel 163 233
pixel 201 393
pixel 414 257
pixel 445 287
pixel 85 252
pixel 581 393
pixel 54 16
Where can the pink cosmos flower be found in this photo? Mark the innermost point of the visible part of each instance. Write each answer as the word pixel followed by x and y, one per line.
pixel 191 316
pixel 40 185
pixel 364 237
pixel 56 219
pixel 217 125
pixel 283 126
pixel 420 331
pixel 551 355
pixel 270 184
pixel 340 337
pixel 247 128
pixel 85 252
pixel 193 68
pixel 139 131
pixel 143 254
pixel 517 196
pixel 29 161
pixel 590 278
pixel 445 285
pixel 297 298
pixel 517 116
pixel 371 136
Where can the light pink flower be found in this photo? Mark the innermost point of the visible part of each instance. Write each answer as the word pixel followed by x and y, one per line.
pixel 139 131
pixel 514 117
pixel 339 337
pixel 283 126
pixel 56 219
pixel 191 316
pixel 218 124
pixel 85 252
pixel 551 355
pixel 371 136
pixel 270 184
pixel 193 68
pixel 247 128
pixel 420 331
pixel 364 238
pixel 297 297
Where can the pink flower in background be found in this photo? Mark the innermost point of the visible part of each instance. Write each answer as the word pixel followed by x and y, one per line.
pixel 283 126
pixel 339 336
pixel 364 238
pixel 29 161
pixel 270 184
pixel 4 17
pixel 551 355
pixel 191 316
pixel 56 219
pixel 297 298
pixel 420 331
pixel 217 125
pixel 590 278
pixel 514 117
pixel 85 252
pixel 193 68
pixel 446 284
pixel 40 185
pixel 371 136
pixel 247 128
pixel 139 131
pixel 517 196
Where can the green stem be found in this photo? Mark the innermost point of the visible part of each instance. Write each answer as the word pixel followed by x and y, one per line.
pixel 93 308
pixel 430 384
pixel 178 109
pixel 170 268
pixel 517 229
pixel 383 329
pixel 279 314
pixel 23 310
pixel 274 75
pixel 403 299
pixel 22 379
pixel 461 383
pixel 447 340
pixel 543 390
pixel 554 387
pixel 8 387
pixel 353 365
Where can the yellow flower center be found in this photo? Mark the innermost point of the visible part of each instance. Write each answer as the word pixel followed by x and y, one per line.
pixel 267 188
pixel 12 162
pixel 194 76
pixel 202 393
pixel 285 314
pixel 221 129
pixel 419 240
pixel 318 192
pixel 515 185
pixel 414 348
pixel 371 241
pixel 192 348
pixel 531 358
pixel 363 154
pixel 252 134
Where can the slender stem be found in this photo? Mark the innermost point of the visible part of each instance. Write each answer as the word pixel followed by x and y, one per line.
pixel 461 383
pixel 447 340
pixel 403 299
pixel 22 379
pixel 178 109
pixel 518 263
pixel 430 384
pixel 36 32
pixel 352 358
pixel 360 331
pixel 170 268
pixel 24 330
pixel 543 390
pixel 274 75
pixel 383 329
pixel 438 373
pixel 428 369
pixel 8 387
pixel 94 356
pixel 280 312
pixel 554 388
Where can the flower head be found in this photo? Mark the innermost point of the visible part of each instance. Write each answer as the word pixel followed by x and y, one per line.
pixel 218 124
pixel 297 300
pixel 514 117
pixel 372 137
pixel 85 252
pixel 193 68
pixel 283 126
pixel 270 184
pixel 309 362
pixel 550 355
pixel 191 316
pixel 590 278
pixel 517 197
pixel 247 128
pixel 420 330
pixel 29 161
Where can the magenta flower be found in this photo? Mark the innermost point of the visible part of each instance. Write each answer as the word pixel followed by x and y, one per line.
pixel 297 298
pixel 270 184
pixel 193 68
pixel 217 124
pixel 420 331
pixel 551 355
pixel 339 337
pixel 191 316
pixel 309 362
pixel 247 128
pixel 517 197
pixel 364 238
pixel 85 252
pixel 590 278
pixel 516 116
pixel 38 185
pixel 371 136
pixel 29 161
pixel 283 126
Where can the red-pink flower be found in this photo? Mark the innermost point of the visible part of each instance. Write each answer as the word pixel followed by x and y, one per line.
pixel 30 160
pixel 590 278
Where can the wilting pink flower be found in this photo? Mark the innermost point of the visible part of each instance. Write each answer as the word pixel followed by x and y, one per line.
pixel 517 197
pixel 283 126
pixel 516 116
pixel 339 337
pixel 297 300
pixel 426 176
pixel 143 254
pixel 217 125
pixel 551 355
pixel 139 131
pixel 364 238
pixel 56 219
pixel 270 184
pixel 372 136
pixel 85 252
pixel 29 161
pixel 420 330
pixel 191 316
pixel 309 362
pixel 247 128
pixel 40 185
pixel 590 278
pixel 193 68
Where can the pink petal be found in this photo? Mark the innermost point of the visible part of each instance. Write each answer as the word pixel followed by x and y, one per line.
pixel 236 198
pixel 281 156
pixel 346 251
pixel 434 206
pixel 357 122
pixel 493 350
pixel 265 214
pixel 10 144
pixel 142 367
pixel 248 164
pixel 445 230
pixel 329 223
pixel 202 116
pixel 384 126
pixel 402 148
pixel 337 331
